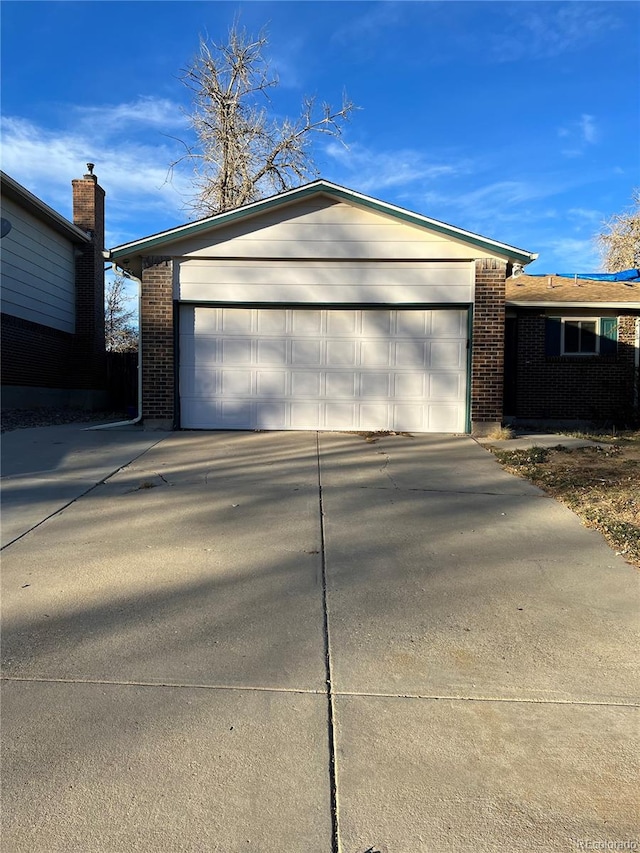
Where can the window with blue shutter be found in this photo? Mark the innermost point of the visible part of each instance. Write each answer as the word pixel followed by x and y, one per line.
pixel 608 336
pixel 553 336
pixel 581 336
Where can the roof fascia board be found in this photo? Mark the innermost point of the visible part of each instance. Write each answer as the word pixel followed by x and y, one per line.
pixel 510 303
pixel 16 192
pixel 332 190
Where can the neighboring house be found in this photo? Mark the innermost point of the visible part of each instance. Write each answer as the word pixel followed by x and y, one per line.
pixel 52 298
pixel 571 349
pixel 321 308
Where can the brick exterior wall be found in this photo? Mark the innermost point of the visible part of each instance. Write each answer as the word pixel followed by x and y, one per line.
pixel 157 336
pixel 157 340
pixel 599 388
pixel 487 356
pixel 36 355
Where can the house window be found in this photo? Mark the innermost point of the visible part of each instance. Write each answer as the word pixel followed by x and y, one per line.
pixel 578 336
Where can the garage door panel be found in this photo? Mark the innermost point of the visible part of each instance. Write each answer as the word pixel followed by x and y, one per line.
pixel 375 353
pixel 442 418
pixel 304 415
pixel 271 351
pixel 375 385
pixel 273 322
pixel 340 415
pixel 447 354
pixel 306 322
pixel 306 383
pixel 341 353
pixel 323 369
pixel 200 383
pixel 377 323
pixel 236 383
pixel 409 418
pixel 236 321
pixel 271 383
pixel 412 323
pixel 343 323
pixel 306 352
pixel 236 351
pixel 409 385
pixel 270 415
pixel 447 323
pixel 343 384
pixel 410 354
pixel 444 386
pixel 198 349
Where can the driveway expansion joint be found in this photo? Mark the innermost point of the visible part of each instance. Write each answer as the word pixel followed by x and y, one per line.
pixel 331 724
pixel 164 684
pixel 504 699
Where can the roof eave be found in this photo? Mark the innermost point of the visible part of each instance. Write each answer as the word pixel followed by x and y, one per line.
pixel 155 241
pixel 16 192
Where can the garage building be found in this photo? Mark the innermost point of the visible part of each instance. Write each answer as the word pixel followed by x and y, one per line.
pixel 321 308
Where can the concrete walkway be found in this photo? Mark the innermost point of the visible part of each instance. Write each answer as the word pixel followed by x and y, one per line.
pixel 302 642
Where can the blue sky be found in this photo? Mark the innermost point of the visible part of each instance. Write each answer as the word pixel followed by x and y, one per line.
pixel 517 120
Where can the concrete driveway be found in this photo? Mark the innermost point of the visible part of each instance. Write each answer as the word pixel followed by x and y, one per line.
pixel 313 642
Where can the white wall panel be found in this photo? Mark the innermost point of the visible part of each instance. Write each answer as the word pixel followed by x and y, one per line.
pixel 328 282
pixel 327 229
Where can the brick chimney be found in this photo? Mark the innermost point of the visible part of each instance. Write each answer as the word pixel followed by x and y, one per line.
pixel 88 214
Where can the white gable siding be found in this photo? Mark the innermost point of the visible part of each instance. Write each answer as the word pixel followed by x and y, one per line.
pixel 325 282
pixel 324 228
pixel 38 271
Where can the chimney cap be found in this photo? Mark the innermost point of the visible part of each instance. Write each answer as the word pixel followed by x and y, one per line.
pixel 90 176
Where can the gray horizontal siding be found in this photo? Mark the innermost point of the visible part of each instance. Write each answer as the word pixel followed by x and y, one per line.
pixel 38 271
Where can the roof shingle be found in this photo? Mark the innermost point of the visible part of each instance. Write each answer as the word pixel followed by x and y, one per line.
pixel 553 288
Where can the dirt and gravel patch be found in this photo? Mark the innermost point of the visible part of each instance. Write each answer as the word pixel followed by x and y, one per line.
pixel 24 418
pixel 600 484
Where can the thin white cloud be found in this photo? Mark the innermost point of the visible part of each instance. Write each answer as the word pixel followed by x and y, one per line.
pixel 568 254
pixel 545 30
pixel 589 129
pixel 133 173
pixel 579 133
pixel 586 215
pixel 159 113
pixel 365 29
pixel 496 202
pixel 374 171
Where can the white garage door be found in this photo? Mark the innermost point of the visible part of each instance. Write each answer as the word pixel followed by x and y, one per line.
pixel 307 369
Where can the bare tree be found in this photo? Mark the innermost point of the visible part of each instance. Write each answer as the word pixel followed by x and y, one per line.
pixel 619 241
pixel 119 330
pixel 242 153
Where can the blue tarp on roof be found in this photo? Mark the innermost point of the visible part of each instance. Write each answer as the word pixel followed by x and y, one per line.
pixel 623 275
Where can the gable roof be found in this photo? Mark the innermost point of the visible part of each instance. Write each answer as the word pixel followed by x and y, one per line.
pixel 552 290
pixel 155 242
pixel 10 188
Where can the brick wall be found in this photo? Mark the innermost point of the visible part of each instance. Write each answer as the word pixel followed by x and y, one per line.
pixel 35 355
pixel 487 357
pixel 599 388
pixel 89 351
pixel 157 340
